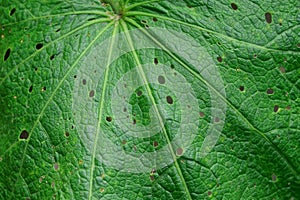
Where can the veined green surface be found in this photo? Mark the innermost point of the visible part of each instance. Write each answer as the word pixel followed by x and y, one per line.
pixel 60 65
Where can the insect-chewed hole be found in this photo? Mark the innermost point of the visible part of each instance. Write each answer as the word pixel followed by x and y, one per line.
pixel 155 61
pixel 155 143
pixel 161 80
pixel 67 134
pixel 139 93
pixel 30 88
pixel 154 19
pixel 219 59
pixel 276 108
pixel 24 135
pixel 234 6
pixel 39 46
pixel 12 11
pixel 7 54
pixel 92 93
pixel 108 118
pixel 270 91
pixel 169 100
pixel 268 17
pixel 242 88
pixel 52 57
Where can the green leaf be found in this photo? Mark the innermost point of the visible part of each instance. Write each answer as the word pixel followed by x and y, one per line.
pixel 149 99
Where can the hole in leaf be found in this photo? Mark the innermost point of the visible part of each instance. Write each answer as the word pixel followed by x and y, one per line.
pixel 152 178
pixel 276 108
pixel 169 100
pixel 67 134
pixel 92 93
pixel 255 56
pixel 30 89
pixel 161 79
pixel 84 82
pixel 52 57
pixel 139 93
pixel 75 76
pixel 43 89
pixel 35 69
pixel 242 88
pixel 155 143
pixel 155 19
pixel 12 11
pixel 91 19
pixel 143 21
pixel 270 91
pixel 209 193
pixel 219 59
pixel 109 119
pixel 172 66
pixel 234 6
pixel 201 114
pixel 179 151
pixel 57 30
pixel 55 166
pixel 39 46
pixel 147 26
pixel 268 17
pixel 282 69
pixel 125 110
pixel 24 135
pixel 7 54
pixel 274 177
pixel 134 121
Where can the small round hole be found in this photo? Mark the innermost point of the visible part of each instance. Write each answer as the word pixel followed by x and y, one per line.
pixel 270 91
pixel 67 134
pixel 24 135
pixel 155 61
pixel 139 93
pixel 276 108
pixel 52 57
pixel 84 82
pixel 234 6
pixel 155 143
pixel 242 88
pixel 109 119
pixel 44 89
pixel 30 89
pixel 7 54
pixel 12 11
pixel 155 19
pixel 39 46
pixel 92 93
pixel 169 100
pixel 219 59
pixel 268 17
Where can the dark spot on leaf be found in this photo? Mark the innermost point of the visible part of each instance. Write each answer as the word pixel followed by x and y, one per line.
pixel 276 107
pixel 67 134
pixel 84 82
pixel 268 17
pixel 155 61
pixel 75 76
pixel 255 56
pixel 124 142
pixel 155 143
pixel 217 119
pixel 35 69
pixel 143 21
pixel 39 46
pixel 298 45
pixel 91 19
pixel 172 66
pixel 161 79
pixel 154 19
pixel 7 54
pixel 270 91
pixel 57 30
pixel 55 166
pixel 44 89
pixel 288 107
pixel 24 135
pixel 219 59
pixel 72 127
pixel 179 151
pixel 234 6
pixel 274 177
pixel 12 11
pixel 282 69
pixel 92 93
pixel 109 119
pixel 147 26
pixel 242 88
pixel 169 100
pixel 134 121
pixel 125 110
pixel 139 93
pixel 52 57
pixel 201 114
pixel 30 89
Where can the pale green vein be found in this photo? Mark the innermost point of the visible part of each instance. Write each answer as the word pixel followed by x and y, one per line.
pixel 145 81
pixel 137 13
pixel 139 4
pixel 50 43
pixel 101 110
pixel 198 76
pixel 54 92
pixel 88 12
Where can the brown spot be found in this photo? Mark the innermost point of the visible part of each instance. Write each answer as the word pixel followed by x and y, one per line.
pixel 102 190
pixel 155 143
pixel 67 134
pixel 152 178
pixel 242 88
pixel 80 162
pixel 161 80
pixel 124 142
pixel 84 82
pixel 209 193
pixel 201 114
pixel 219 59
pixel 109 119
pixel 56 166
pixel 139 93
pixel 274 177
pixel 154 19
pixel 217 119
pixel 282 69
pixel 276 108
